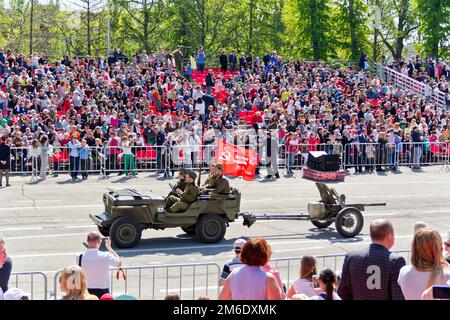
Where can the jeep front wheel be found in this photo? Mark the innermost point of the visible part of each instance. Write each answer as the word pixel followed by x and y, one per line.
pixel 104 231
pixel 210 229
pixel 125 232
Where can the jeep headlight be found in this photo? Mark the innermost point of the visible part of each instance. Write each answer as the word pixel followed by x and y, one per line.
pixel 160 209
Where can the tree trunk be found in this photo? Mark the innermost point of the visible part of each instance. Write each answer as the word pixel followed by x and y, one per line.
pixel 314 36
pixel 88 27
pixel 146 23
pixel 250 30
pixel 31 27
pixel 354 39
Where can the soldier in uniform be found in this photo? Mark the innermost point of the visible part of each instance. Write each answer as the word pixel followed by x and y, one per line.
pixel 209 180
pixel 220 186
pixel 189 195
pixel 180 185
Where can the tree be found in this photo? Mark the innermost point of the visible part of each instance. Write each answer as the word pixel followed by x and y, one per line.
pixel 351 23
pixel 145 21
pixel 91 11
pixel 398 20
pixel 434 17
pixel 308 28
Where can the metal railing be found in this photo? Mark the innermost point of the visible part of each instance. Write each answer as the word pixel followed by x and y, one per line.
pixel 188 280
pixel 154 282
pixel 289 267
pixel 404 82
pixel 26 282
pixel 167 160
pixel 393 155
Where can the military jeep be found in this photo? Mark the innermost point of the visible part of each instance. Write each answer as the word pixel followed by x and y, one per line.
pixel 128 212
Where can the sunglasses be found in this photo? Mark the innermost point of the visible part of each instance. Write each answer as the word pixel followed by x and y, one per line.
pixel 447 244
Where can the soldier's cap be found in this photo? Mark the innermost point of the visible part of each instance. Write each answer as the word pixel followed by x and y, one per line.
pixel 192 174
pixel 183 171
pixel 219 167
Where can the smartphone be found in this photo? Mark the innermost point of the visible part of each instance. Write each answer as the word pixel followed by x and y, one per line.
pixel 315 282
pixel 441 292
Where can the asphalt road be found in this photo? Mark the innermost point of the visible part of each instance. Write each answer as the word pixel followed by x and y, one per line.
pixel 45 225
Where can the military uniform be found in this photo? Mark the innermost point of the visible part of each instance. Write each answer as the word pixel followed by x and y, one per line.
pixel 181 204
pixel 220 186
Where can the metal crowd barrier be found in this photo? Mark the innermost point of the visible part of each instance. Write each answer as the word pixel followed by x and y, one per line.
pixel 154 282
pixel 289 267
pixel 167 160
pixel 26 282
pixel 188 280
pixel 373 156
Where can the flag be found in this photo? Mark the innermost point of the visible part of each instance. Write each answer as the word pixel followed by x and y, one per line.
pixel 237 161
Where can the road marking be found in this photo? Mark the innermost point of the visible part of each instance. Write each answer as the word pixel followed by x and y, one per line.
pixel 26 201
pixel 21 229
pixel 73 206
pixel 210 247
pixel 46 236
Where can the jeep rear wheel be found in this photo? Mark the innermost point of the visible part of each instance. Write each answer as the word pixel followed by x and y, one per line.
pixel 125 232
pixel 210 229
pixel 189 230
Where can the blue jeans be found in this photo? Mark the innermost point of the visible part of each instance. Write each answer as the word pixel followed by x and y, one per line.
pixel 158 157
pixel 417 156
pixel 74 163
pixel 290 162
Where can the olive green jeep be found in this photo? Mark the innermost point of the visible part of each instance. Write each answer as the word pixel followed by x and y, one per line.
pixel 128 212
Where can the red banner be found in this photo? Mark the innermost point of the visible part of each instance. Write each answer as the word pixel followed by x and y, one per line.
pixel 237 161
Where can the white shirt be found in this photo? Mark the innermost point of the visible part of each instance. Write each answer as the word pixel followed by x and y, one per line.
pixel 413 282
pixel 96 264
pixel 304 286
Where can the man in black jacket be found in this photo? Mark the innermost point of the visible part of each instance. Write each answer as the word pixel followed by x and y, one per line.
pixel 223 61
pixel 416 138
pixel 372 274
pixel 233 60
pixel 5 162
pixel 209 81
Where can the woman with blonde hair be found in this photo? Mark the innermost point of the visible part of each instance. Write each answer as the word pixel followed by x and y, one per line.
pixel 304 284
pixel 73 283
pixel 428 266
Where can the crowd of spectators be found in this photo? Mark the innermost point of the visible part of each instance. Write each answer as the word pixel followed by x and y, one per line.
pixel 374 273
pixel 87 104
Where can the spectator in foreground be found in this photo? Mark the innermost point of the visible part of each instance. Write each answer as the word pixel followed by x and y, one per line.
pixel 327 280
pixel 251 282
pixel 5 266
pixel 172 296
pixel 234 263
pixel 428 266
pixel 372 274
pixel 304 284
pixel 15 294
pixel 5 161
pixel 72 281
pixel 447 247
pixel 97 263
pixel 419 225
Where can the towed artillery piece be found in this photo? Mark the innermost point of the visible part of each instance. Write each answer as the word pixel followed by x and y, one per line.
pixel 128 212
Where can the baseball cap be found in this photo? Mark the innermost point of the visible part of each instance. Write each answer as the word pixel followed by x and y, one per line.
pixel 15 294
pixel 107 296
pixel 239 244
pixel 125 297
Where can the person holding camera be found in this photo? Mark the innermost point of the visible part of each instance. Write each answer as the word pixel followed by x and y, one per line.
pixel 96 263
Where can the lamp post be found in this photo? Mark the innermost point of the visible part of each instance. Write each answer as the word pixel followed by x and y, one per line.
pixel 108 33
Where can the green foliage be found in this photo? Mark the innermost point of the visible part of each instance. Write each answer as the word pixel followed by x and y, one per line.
pixel 434 17
pixel 306 29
